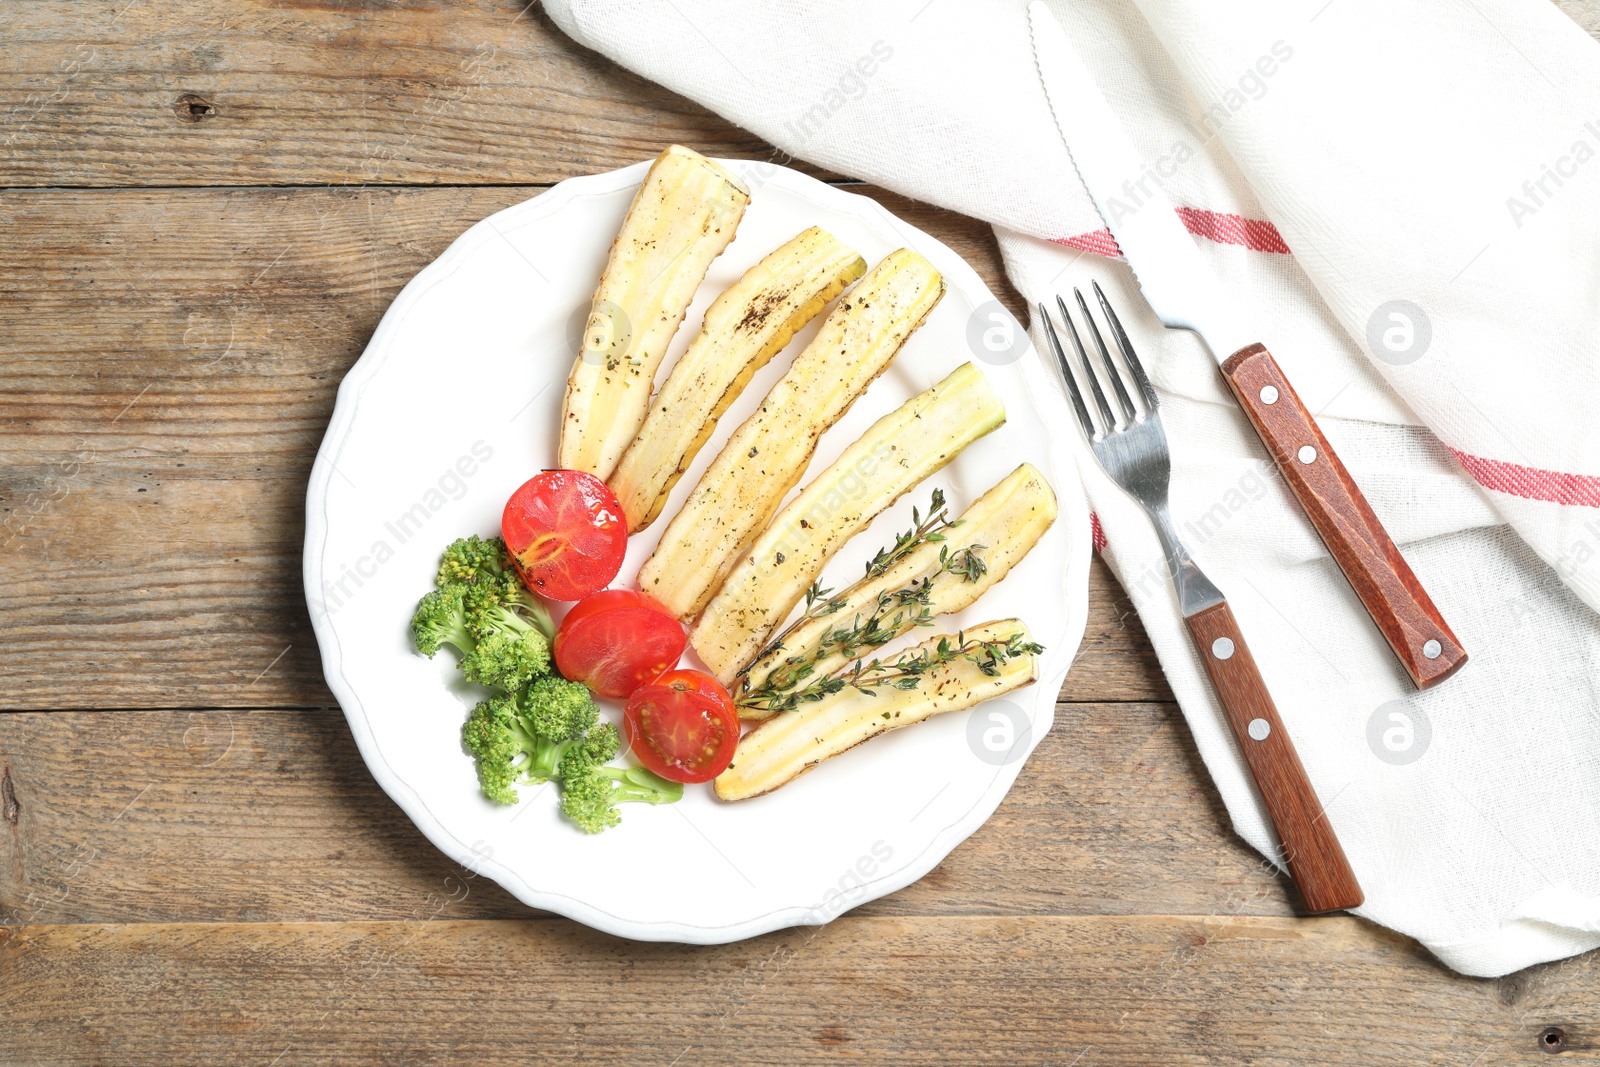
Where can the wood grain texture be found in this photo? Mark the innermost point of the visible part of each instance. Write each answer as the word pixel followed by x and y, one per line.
pixel 328 92
pixel 1094 991
pixel 1309 845
pixel 171 359
pixel 229 816
pixel 1359 544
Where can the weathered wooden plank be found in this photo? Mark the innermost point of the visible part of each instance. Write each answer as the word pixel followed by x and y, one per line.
pixel 1115 660
pixel 240 92
pixel 170 363
pixel 174 815
pixel 1095 992
pixel 236 92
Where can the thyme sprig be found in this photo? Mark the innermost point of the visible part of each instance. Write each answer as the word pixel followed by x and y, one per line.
pixel 893 613
pixel 921 533
pixel 905 672
pixel 820 602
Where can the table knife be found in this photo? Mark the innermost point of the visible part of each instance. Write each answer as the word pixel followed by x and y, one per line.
pixel 1185 294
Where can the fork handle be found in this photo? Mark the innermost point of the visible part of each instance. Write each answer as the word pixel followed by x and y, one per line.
pixel 1316 861
pixel 1420 637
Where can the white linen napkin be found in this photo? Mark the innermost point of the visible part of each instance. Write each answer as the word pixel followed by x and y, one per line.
pixel 1404 194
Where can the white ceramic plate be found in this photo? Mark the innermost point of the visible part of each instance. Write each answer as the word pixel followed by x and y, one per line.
pixel 456 402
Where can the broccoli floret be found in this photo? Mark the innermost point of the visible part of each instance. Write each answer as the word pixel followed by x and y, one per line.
pixel 499 648
pixel 507 660
pixel 441 619
pixel 470 557
pixel 591 791
pixel 485 566
pixel 487 619
pixel 600 747
pixel 591 800
pixel 525 736
pixel 510 651
pixel 495 737
pixel 587 801
pixel 549 731
pixel 508 595
pixel 561 711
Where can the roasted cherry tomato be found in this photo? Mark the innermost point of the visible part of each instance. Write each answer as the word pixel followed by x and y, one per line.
pixel 566 534
pixel 684 734
pixel 616 640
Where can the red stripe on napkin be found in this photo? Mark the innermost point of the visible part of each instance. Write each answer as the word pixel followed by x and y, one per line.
pixel 1258 235
pixel 1532 483
pixel 1100 242
pixel 1097 536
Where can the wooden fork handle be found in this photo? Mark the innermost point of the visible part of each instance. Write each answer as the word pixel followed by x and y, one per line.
pixel 1420 637
pixel 1316 861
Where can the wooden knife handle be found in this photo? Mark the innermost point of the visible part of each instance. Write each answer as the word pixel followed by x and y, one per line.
pixel 1316 860
pixel 1360 545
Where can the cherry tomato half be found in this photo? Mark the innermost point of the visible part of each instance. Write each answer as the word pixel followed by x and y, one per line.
pixel 700 682
pixel 566 534
pixel 682 734
pixel 616 640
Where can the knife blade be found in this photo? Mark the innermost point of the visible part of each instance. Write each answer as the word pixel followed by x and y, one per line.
pixel 1185 294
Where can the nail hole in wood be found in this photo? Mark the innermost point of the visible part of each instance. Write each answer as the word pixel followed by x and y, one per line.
pixel 192 108
pixel 1553 1039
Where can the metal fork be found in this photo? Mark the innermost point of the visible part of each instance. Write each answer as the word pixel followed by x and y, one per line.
pixel 1134 454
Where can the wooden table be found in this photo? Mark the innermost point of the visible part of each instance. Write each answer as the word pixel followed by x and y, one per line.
pixel 208 204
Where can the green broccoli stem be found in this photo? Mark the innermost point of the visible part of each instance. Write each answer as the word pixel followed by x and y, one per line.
pixel 545 756
pixel 637 785
pixel 538 614
pixel 457 634
pixel 503 618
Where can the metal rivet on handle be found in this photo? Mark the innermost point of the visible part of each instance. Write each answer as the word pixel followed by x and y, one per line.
pixel 1260 729
pixel 1269 394
pixel 1307 454
pixel 1431 649
pixel 1222 647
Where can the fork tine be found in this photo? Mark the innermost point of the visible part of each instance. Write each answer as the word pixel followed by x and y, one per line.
pixel 1088 370
pixel 1127 349
pixel 1066 374
pixel 1111 367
